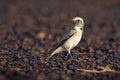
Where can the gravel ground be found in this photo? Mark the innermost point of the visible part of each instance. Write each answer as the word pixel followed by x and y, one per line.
pixel 29 30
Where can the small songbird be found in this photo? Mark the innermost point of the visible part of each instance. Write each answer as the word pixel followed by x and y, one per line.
pixel 71 38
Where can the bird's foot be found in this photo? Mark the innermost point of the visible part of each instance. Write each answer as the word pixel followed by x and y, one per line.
pixel 70 57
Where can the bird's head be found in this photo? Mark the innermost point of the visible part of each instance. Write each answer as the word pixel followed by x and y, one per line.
pixel 78 22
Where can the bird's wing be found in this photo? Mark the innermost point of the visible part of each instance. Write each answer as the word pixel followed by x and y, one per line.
pixel 69 34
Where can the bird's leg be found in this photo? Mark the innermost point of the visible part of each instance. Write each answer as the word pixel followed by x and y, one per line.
pixel 70 51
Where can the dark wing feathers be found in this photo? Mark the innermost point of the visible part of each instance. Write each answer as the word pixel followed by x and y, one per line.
pixel 69 34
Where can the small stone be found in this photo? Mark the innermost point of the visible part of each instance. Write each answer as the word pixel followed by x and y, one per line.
pixel 41 35
pixel 91 50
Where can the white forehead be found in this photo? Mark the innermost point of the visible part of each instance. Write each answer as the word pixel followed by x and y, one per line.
pixel 77 18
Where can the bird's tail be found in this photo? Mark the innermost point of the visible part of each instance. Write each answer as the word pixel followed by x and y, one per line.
pixel 58 50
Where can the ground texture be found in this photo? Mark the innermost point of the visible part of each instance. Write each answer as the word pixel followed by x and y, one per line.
pixel 29 30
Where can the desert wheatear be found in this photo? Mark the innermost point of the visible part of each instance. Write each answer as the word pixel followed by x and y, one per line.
pixel 71 38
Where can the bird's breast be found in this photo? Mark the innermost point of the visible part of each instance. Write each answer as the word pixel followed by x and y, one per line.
pixel 74 40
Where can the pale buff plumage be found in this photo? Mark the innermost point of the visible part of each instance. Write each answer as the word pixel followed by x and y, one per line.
pixel 71 38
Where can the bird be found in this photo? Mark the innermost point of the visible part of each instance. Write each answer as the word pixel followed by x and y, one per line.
pixel 71 38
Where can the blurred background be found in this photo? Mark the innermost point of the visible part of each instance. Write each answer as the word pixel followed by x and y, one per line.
pixel 29 30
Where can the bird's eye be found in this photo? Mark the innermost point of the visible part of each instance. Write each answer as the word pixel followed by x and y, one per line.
pixel 79 21
pixel 81 28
